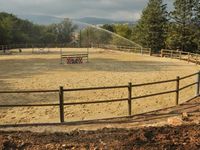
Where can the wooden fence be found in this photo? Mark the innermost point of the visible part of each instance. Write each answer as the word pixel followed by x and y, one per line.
pixel 129 99
pixel 29 45
pixel 187 56
pixel 5 49
pixel 125 48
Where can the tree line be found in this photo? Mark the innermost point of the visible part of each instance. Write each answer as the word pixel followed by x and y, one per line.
pixel 156 29
pixel 159 28
pixel 17 31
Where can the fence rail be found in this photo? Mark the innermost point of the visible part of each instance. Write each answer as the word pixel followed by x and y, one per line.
pixel 5 49
pixel 126 48
pixel 129 97
pixel 190 57
pixel 30 91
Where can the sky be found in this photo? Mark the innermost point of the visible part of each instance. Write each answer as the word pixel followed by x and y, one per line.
pixel 129 10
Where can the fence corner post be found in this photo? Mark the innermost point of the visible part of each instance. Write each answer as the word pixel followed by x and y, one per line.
pixel 61 106
pixel 130 99
pixel 198 84
pixel 177 90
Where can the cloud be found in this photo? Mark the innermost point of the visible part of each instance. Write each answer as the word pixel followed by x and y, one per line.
pixel 114 9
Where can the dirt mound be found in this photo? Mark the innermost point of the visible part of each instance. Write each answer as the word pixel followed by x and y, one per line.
pixel 182 137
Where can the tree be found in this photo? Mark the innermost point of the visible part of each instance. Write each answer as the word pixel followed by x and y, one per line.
pixel 183 24
pixel 92 35
pixel 123 30
pixel 197 23
pixel 64 31
pixel 109 27
pixel 17 31
pixel 151 28
pixel 6 25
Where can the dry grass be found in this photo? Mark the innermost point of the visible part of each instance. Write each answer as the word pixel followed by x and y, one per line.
pixel 106 68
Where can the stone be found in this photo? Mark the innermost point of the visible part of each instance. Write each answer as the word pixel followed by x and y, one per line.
pixel 175 121
pixel 185 115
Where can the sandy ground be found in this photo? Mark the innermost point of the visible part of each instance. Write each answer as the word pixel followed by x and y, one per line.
pixel 105 68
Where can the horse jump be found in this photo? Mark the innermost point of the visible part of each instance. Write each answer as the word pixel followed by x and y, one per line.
pixel 74 58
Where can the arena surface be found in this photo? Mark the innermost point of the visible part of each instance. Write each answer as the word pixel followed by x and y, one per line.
pixel 105 68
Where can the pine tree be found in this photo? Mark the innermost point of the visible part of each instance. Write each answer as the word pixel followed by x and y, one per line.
pixel 182 34
pixel 150 30
pixel 197 23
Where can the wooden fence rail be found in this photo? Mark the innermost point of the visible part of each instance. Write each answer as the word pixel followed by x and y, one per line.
pixel 187 56
pixel 126 48
pixel 5 49
pixel 128 99
pixel 32 45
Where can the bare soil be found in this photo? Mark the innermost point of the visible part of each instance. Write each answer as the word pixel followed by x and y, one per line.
pixel 169 138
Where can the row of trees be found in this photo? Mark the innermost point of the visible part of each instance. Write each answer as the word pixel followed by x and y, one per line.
pixel 96 35
pixel 16 31
pixel 158 28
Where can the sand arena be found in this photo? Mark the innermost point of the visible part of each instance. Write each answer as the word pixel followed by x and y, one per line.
pixel 105 68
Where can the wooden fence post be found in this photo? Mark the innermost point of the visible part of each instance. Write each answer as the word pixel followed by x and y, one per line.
pixel 4 49
pixel 177 90
pixel 188 57
pixel 196 59
pixel 61 101
pixel 171 54
pixel 61 59
pixel 150 53
pixel 198 84
pixel 129 98
pixel 161 52
pixel 88 57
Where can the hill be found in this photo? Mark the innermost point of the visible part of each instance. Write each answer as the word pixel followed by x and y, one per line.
pixel 41 19
pixel 46 20
pixel 100 21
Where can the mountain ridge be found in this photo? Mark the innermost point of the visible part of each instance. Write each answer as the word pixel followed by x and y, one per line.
pixel 46 20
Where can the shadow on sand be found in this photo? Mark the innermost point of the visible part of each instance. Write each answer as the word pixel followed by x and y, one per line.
pixel 29 67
